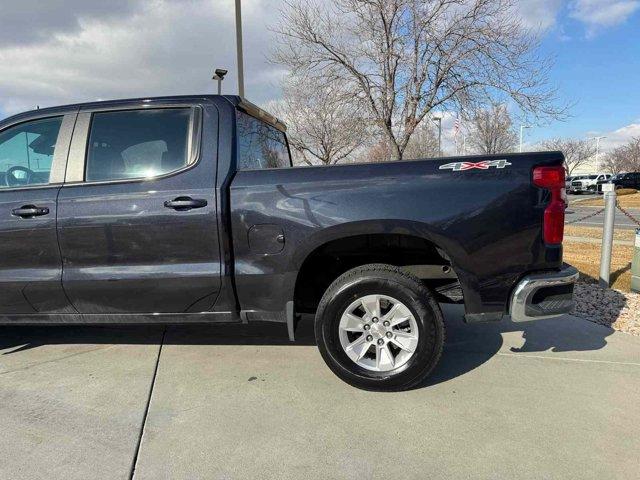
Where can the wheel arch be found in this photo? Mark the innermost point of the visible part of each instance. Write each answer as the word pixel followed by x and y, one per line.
pixel 333 251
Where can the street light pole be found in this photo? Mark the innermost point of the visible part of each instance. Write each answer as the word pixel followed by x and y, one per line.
pixel 597 139
pixel 522 127
pixel 239 48
pixel 438 120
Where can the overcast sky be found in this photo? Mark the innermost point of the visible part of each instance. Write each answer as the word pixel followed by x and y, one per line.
pixel 62 51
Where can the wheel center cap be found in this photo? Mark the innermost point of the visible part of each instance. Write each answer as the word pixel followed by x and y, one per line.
pixel 378 330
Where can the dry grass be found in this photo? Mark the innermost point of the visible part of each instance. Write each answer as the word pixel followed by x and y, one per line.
pixel 586 258
pixel 596 232
pixel 626 200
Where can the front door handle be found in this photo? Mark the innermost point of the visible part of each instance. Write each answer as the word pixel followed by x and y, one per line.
pixel 28 211
pixel 185 203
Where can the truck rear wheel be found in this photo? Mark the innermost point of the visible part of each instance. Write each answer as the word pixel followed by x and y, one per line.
pixel 379 328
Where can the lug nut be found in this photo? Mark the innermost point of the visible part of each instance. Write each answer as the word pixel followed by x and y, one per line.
pixel 366 326
pixel 386 323
pixel 374 319
pixel 380 341
pixel 369 338
pixel 389 334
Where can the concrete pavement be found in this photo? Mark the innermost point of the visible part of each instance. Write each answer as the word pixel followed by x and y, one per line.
pixel 547 399
pixel 72 400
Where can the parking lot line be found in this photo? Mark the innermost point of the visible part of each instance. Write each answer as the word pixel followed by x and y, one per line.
pixel 566 359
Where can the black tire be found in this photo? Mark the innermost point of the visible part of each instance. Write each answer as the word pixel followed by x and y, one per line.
pixel 391 281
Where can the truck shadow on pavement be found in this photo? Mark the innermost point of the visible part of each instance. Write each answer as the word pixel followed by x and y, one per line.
pixel 467 346
pixel 470 345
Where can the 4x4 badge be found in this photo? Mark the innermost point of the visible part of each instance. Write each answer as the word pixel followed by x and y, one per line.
pixel 484 165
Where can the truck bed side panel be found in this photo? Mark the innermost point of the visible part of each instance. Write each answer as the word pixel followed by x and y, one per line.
pixel 487 221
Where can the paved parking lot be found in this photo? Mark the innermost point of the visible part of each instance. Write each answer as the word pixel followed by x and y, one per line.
pixel 577 212
pixel 548 399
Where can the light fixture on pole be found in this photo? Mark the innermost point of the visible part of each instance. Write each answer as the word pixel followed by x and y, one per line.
pixel 219 76
pixel 239 49
pixel 597 139
pixel 522 127
pixel 438 120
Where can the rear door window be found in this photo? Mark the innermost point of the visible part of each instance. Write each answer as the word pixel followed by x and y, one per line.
pixel 133 144
pixel 26 152
pixel 260 145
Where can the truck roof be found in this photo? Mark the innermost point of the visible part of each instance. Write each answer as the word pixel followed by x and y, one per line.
pixel 237 101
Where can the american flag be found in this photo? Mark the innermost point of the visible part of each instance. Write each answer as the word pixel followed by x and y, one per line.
pixel 456 126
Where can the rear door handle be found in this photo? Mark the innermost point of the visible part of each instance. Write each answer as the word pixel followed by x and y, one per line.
pixel 185 203
pixel 28 211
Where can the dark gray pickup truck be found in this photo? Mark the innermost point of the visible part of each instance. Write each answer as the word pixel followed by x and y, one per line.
pixel 187 209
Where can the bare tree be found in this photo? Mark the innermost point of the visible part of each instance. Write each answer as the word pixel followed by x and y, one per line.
pixel 324 124
pixel 576 152
pixel 405 58
pixel 491 130
pixel 625 158
pixel 377 151
pixel 423 142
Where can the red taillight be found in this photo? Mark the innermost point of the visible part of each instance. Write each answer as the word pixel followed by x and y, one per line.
pixel 549 177
pixel 552 178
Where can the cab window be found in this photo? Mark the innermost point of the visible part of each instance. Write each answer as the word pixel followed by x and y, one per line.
pixel 260 145
pixel 133 144
pixel 26 152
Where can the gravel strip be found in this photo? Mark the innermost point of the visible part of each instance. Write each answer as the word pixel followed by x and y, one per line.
pixel 613 308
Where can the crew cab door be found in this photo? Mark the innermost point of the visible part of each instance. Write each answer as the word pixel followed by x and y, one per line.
pixel 137 214
pixel 33 154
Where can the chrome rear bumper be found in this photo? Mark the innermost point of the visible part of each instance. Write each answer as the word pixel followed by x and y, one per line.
pixel 543 295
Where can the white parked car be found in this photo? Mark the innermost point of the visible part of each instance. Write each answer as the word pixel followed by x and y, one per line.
pixel 586 183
